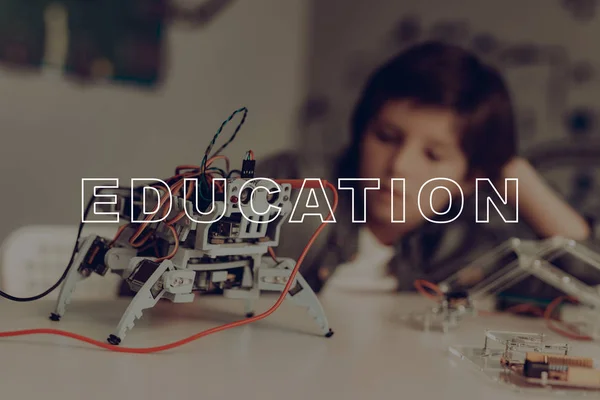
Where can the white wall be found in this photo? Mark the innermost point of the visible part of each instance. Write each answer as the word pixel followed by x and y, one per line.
pixel 56 132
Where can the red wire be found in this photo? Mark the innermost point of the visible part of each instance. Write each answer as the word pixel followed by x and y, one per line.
pixel 421 284
pixel 272 254
pixel 146 350
pixel 548 317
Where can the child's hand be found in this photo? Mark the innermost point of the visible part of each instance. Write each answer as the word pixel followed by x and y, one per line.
pixel 544 210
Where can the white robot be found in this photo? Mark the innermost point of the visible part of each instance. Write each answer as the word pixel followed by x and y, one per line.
pixel 228 255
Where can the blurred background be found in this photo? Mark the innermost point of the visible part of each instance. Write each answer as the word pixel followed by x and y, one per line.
pixel 546 50
pixel 132 88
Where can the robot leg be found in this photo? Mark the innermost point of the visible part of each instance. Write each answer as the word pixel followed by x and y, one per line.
pixel 249 291
pixel 147 281
pixel 249 297
pixel 89 258
pixel 275 277
pixel 249 308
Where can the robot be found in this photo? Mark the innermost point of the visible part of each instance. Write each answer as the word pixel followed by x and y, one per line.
pixel 220 246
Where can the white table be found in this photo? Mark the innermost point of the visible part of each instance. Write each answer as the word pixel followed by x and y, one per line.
pixel 371 354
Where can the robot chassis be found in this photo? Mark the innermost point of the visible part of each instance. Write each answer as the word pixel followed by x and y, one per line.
pixel 506 265
pixel 225 253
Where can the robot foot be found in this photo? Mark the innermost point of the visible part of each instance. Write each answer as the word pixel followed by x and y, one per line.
pixel 303 295
pixel 54 317
pixel 88 251
pixel 112 339
pixel 147 296
pixel 249 308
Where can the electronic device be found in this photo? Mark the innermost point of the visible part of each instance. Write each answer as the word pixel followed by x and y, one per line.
pixel 528 362
pixel 562 263
pixel 210 231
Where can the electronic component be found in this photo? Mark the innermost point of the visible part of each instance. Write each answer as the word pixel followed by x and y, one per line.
pixel 248 167
pixel 442 317
pixel 567 374
pixel 535 357
pixel 457 299
pixel 94 258
pixel 142 272
pixel 526 362
pixel 507 265
pixel 562 373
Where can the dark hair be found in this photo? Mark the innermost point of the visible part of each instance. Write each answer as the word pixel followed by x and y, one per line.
pixel 444 75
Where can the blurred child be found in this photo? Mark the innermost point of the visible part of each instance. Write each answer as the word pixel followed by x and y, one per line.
pixel 432 111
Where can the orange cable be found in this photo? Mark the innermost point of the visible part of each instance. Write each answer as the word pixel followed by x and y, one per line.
pixel 548 317
pixel 422 284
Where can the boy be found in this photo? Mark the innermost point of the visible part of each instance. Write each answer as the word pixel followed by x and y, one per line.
pixel 433 111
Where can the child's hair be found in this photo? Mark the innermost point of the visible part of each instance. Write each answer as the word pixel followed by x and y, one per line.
pixel 442 75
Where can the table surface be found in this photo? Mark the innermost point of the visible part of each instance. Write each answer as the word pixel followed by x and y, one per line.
pixel 372 353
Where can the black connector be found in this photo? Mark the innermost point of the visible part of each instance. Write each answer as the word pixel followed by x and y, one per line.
pixel 248 168
pixel 457 295
pixel 536 369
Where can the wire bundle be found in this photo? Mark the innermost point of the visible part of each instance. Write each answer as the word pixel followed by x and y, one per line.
pixel 205 171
